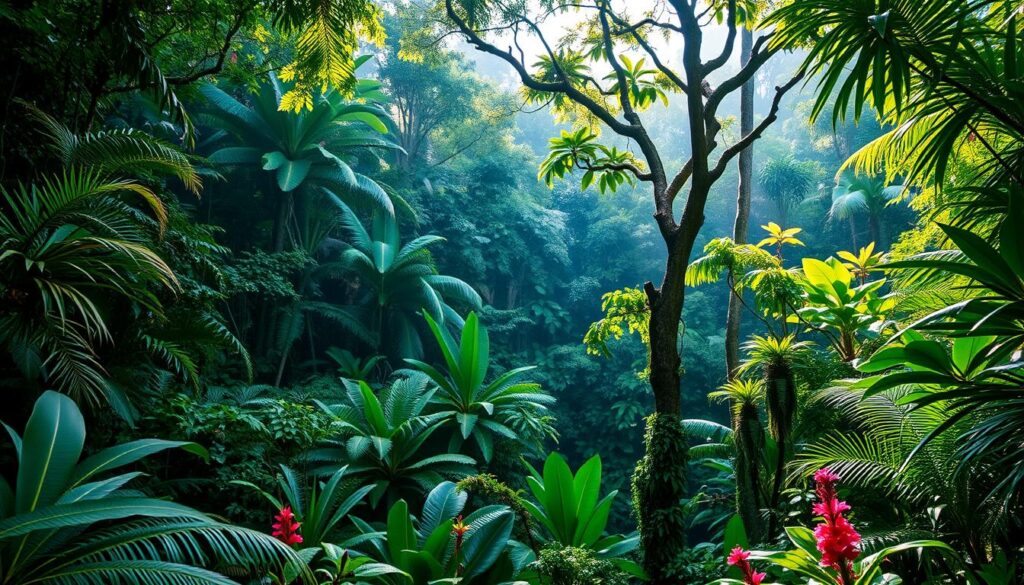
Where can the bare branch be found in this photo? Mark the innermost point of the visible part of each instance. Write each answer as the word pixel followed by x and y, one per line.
pixel 535 84
pixel 747 140
pixel 730 41
pixel 759 55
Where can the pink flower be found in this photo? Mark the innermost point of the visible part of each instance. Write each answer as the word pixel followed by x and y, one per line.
pixel 738 558
pixel 837 539
pixel 286 529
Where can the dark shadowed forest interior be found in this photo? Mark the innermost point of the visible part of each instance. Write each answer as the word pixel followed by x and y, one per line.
pixel 512 292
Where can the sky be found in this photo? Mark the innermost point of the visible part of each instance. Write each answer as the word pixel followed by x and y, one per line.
pixel 556 25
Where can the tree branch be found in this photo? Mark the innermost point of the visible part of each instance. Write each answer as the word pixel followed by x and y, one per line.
pixel 730 41
pixel 747 140
pixel 535 84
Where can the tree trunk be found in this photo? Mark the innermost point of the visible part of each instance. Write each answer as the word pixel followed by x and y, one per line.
pixel 284 207
pixel 874 226
pixel 742 224
pixel 748 440
pixel 659 482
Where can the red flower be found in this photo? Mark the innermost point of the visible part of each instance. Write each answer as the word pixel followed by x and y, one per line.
pixel 838 541
pixel 738 558
pixel 286 529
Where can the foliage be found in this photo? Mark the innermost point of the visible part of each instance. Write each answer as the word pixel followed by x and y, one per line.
pixel 827 554
pixel 779 237
pixel 319 507
pixel 475 409
pixel 658 487
pixel 400 281
pixel 570 565
pixel 77 252
pixel 837 308
pixel 626 311
pixel 425 549
pixel 327 38
pixel 573 513
pixel 383 440
pixel 68 521
pixel 303 150
pixel 579 151
pixel 352 367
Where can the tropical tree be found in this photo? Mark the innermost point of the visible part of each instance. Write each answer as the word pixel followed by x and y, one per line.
pixel 786 182
pixel 382 440
pixel 744 398
pixel 474 409
pixel 68 521
pixel 398 282
pixel 860 194
pixel 563 77
pixel 304 151
pixel 776 358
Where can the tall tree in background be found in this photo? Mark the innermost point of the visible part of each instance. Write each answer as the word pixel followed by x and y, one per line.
pixel 623 38
pixel 741 227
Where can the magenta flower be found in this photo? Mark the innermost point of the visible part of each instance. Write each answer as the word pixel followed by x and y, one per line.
pixel 738 558
pixel 838 541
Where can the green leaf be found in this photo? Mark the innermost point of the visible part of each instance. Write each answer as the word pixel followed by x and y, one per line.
pixel 401 535
pixel 52 444
pixel 290 173
pixel 130 452
pixel 88 512
pixel 489 530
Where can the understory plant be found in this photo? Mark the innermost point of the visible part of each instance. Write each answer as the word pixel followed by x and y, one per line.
pixel 828 555
pixel 572 512
pixel 68 520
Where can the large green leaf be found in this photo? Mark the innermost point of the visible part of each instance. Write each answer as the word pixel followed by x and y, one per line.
pixel 290 173
pixel 489 531
pixel 126 453
pixel 586 491
pixel 560 500
pixel 401 534
pixel 52 444
pixel 88 512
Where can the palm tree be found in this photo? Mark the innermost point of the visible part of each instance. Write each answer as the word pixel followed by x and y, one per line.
pixel 744 397
pixel 75 249
pixel 304 151
pixel 859 194
pixel 400 281
pixel 775 358
pixel 68 522
pixel 786 182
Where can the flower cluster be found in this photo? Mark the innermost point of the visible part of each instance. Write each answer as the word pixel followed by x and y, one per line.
pixel 286 529
pixel 739 558
pixel 838 541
